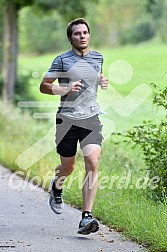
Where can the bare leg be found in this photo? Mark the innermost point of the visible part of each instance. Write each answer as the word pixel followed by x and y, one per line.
pixel 90 184
pixel 63 170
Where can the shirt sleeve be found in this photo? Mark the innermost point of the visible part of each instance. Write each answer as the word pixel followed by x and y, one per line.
pixel 102 60
pixel 56 69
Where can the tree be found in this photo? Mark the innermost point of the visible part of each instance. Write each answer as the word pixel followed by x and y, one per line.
pixel 69 9
pixel 1 32
pixel 155 8
pixel 10 47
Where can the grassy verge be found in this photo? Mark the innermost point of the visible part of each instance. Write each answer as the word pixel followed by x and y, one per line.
pixel 120 203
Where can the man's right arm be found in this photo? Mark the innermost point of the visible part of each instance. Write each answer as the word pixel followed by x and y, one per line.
pixel 47 87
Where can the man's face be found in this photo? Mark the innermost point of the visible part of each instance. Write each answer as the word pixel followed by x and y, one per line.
pixel 80 36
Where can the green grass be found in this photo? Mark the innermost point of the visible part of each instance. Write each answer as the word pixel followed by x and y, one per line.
pixel 127 209
pixel 117 204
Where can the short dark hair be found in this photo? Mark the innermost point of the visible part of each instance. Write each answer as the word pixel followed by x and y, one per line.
pixel 76 22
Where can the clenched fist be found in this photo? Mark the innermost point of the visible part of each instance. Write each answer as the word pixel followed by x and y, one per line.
pixel 103 81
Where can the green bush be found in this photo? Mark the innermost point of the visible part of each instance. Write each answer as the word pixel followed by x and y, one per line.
pixel 140 31
pixel 22 88
pixel 152 138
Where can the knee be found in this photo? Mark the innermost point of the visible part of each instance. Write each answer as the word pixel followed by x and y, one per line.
pixel 92 165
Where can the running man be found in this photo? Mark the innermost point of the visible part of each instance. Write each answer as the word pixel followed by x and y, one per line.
pixel 79 73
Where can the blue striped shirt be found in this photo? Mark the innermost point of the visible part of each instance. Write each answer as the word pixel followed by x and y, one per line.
pixel 69 67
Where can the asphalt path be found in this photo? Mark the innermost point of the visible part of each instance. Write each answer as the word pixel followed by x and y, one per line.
pixel 28 225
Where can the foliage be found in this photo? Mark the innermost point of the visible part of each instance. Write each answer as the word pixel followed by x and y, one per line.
pixel 125 22
pixel 140 31
pixel 32 39
pixel 152 138
pixel 158 10
pixel 112 18
pixel 47 19
pixel 68 9
pixel 155 8
pixel 18 3
pixel 119 22
pixel 22 88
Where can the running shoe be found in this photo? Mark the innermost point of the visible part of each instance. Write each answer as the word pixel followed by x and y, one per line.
pixel 55 200
pixel 88 225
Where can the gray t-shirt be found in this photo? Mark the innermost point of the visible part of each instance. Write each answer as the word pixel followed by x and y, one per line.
pixel 69 67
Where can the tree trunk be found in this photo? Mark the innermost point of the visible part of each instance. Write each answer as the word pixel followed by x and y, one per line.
pixel 9 67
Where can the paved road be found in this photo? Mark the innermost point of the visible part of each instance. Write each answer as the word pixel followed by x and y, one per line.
pixel 28 225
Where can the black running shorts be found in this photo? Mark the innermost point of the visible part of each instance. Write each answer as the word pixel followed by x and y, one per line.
pixel 69 132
